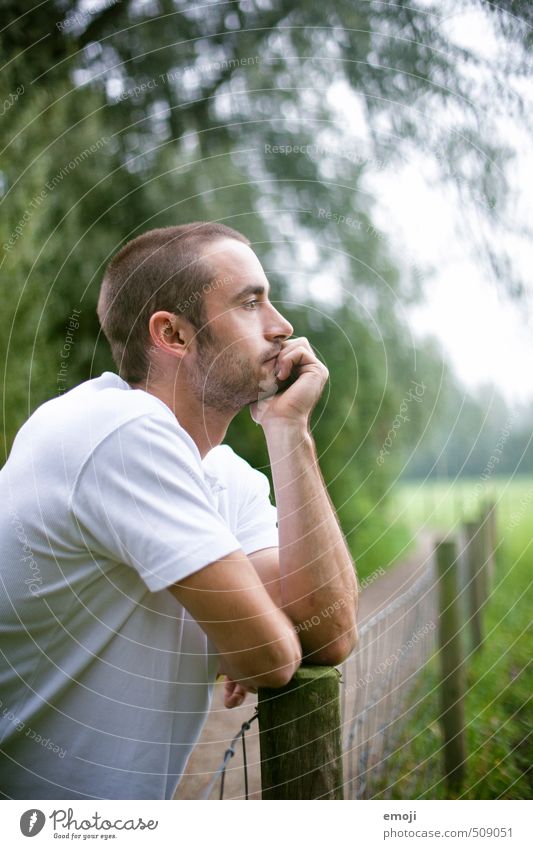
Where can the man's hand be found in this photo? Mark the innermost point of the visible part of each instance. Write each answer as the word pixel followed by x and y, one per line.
pixel 234 693
pixel 316 571
pixel 298 361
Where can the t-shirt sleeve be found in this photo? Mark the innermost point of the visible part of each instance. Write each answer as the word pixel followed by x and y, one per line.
pixel 257 516
pixel 140 498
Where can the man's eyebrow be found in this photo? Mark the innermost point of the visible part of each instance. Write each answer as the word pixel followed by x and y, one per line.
pixel 249 290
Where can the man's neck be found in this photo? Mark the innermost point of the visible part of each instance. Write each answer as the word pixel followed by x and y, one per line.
pixel 206 426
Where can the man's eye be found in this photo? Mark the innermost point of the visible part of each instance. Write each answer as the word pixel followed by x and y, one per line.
pixel 252 304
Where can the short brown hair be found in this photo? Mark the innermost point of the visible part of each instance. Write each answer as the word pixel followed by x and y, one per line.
pixel 162 269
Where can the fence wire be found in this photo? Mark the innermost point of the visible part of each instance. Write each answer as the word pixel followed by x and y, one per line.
pixel 220 772
pixel 379 680
pixel 378 684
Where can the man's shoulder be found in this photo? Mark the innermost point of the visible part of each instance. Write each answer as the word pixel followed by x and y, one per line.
pixel 224 458
pixel 234 471
pixel 106 396
pixel 74 424
pixel 111 396
pixel 133 420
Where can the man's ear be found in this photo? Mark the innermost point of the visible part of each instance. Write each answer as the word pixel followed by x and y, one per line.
pixel 170 333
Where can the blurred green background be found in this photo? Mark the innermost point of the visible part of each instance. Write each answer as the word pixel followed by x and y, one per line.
pixel 269 116
pixel 276 118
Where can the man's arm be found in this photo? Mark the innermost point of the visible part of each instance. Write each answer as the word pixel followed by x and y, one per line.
pixel 266 564
pixel 317 584
pixel 256 641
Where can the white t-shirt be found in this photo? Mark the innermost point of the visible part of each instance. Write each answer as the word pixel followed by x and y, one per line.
pixel 105 680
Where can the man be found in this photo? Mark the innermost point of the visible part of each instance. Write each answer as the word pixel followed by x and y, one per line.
pixel 139 555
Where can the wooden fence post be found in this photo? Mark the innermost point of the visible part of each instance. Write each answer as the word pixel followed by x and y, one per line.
pixel 452 687
pixel 300 737
pixel 490 528
pixel 477 559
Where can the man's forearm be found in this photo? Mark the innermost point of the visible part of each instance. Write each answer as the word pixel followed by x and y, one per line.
pixel 317 576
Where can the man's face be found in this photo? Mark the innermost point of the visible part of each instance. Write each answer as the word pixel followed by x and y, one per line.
pixel 235 354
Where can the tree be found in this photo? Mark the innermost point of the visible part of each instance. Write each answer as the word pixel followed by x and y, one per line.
pixel 146 114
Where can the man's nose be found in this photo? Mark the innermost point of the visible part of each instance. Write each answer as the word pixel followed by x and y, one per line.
pixel 278 326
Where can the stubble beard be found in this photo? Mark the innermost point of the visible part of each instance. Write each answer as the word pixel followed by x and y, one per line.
pixel 225 380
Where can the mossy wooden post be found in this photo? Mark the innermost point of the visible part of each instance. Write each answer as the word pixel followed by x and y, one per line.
pixel 477 576
pixel 300 737
pixel 452 688
pixel 490 528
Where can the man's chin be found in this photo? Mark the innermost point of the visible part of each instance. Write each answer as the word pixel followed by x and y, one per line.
pixel 267 388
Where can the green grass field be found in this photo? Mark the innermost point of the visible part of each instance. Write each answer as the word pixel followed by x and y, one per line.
pixel 499 677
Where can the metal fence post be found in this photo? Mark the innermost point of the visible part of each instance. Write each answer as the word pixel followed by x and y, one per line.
pixel 452 670
pixel 300 737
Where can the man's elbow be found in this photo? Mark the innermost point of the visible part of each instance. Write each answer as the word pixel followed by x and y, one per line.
pixel 336 651
pixel 284 658
pixel 342 648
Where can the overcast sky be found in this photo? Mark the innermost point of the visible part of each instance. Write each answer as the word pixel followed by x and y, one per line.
pixel 486 337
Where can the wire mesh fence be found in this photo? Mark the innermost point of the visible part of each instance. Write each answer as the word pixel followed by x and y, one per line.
pixel 390 684
pixel 379 683
pixel 379 680
pixel 219 777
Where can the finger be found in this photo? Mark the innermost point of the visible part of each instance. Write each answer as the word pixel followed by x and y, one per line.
pixel 236 698
pixel 289 346
pixel 229 689
pixel 300 356
pixel 293 344
pixel 299 341
pixel 296 356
